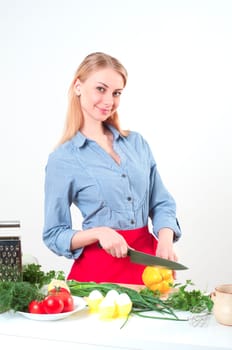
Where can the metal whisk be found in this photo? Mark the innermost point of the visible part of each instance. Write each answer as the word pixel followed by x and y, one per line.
pixel 200 319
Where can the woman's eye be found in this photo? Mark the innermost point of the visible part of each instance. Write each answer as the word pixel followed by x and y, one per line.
pixel 100 88
pixel 117 93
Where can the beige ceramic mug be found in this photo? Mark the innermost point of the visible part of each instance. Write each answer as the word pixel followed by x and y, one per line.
pixel 222 309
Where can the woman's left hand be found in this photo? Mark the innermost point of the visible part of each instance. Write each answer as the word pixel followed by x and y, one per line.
pixel 165 248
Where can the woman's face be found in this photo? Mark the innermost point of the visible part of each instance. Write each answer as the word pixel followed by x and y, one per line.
pixel 100 94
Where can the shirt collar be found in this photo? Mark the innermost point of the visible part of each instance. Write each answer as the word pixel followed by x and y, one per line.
pixel 79 139
pixel 114 131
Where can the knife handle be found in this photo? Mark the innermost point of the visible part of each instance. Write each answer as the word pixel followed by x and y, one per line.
pixel 128 249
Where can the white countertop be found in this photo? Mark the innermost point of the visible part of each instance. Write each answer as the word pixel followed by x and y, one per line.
pixel 86 331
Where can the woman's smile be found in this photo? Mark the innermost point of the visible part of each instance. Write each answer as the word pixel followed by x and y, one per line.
pixel 104 111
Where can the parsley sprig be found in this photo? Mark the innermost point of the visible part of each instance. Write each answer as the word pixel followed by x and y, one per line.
pixel 33 274
pixel 193 300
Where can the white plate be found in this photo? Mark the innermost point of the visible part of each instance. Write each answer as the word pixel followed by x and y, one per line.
pixel 79 303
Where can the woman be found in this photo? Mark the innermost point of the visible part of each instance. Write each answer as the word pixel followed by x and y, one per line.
pixel 111 176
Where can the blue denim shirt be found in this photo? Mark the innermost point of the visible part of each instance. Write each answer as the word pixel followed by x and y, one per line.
pixel 121 196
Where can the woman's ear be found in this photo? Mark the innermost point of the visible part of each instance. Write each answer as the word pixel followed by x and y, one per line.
pixel 77 87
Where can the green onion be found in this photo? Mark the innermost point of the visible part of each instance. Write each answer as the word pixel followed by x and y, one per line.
pixel 142 301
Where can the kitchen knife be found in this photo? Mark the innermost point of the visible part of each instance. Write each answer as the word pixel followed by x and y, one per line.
pixel 152 260
pixel 149 260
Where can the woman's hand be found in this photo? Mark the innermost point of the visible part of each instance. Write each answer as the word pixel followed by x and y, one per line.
pixel 112 242
pixel 165 247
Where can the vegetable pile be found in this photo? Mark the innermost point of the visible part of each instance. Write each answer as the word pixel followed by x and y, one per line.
pixel 142 301
pixel 28 295
pixel 17 295
pixel 145 300
pixel 58 299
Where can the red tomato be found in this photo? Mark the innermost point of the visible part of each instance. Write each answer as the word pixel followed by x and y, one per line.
pixel 66 297
pixel 57 290
pixel 36 307
pixel 53 304
pixel 68 302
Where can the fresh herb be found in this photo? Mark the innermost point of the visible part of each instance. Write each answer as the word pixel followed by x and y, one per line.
pixel 17 295
pixel 193 300
pixel 33 274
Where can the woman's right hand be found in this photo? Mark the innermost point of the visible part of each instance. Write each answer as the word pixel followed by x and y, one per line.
pixel 112 242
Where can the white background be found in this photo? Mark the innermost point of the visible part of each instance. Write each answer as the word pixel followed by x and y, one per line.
pixel 179 96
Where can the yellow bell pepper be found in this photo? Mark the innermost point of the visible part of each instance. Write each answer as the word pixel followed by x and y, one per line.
pixel 158 279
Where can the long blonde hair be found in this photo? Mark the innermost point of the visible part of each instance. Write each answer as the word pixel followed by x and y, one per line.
pixel 74 116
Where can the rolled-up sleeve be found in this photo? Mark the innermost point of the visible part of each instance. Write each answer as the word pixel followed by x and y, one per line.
pixel 57 231
pixel 162 206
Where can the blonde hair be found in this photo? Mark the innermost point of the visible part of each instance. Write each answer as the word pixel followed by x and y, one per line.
pixel 74 116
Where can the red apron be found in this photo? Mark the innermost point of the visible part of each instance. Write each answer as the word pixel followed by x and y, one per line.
pixel 96 265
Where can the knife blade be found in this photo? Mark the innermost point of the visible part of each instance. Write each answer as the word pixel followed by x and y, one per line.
pixel 151 260
pixel 148 259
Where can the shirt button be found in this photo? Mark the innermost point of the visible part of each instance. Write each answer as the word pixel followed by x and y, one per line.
pixel 123 175
pixel 132 222
pixel 129 198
